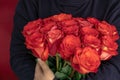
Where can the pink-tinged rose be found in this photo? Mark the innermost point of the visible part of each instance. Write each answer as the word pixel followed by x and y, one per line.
pixel 105 55
pixel 32 27
pixel 68 46
pixel 88 60
pixel 61 17
pixel 53 38
pixel 89 31
pixel 54 35
pixel 90 40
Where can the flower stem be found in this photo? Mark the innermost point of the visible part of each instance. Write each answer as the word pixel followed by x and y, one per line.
pixel 72 73
pixel 64 63
pixel 57 62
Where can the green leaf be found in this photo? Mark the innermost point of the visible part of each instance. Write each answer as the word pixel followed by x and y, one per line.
pixel 60 75
pixel 77 76
pixel 67 70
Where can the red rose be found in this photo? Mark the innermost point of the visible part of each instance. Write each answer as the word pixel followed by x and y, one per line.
pixel 114 33
pixel 89 31
pixel 34 40
pixel 92 41
pixel 69 22
pixel 106 29
pixel 32 27
pixel 41 53
pixel 61 17
pixel 68 45
pixel 36 43
pixel 53 38
pixel 93 20
pixel 86 61
pixel 69 27
pixel 47 27
pixel 108 48
pixel 75 59
pixel 84 23
pixel 109 43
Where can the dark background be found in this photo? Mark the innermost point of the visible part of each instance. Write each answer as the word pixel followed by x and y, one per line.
pixel 7 8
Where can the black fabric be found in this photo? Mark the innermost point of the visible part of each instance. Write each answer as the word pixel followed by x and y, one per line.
pixel 24 63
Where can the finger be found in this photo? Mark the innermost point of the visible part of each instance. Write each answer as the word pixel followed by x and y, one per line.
pixel 44 66
pixel 47 73
pixel 38 72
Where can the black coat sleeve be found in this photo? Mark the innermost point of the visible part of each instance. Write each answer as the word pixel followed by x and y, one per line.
pixel 110 70
pixel 22 63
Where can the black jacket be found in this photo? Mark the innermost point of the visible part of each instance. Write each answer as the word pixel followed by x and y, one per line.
pixel 24 63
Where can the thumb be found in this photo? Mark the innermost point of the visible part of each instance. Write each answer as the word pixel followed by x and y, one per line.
pixel 44 66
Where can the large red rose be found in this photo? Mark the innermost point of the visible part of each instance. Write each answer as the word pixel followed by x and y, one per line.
pixel 68 46
pixel 86 61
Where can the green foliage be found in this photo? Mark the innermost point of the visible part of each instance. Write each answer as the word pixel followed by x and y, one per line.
pixel 62 69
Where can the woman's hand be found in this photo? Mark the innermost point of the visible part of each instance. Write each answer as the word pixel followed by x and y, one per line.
pixel 42 71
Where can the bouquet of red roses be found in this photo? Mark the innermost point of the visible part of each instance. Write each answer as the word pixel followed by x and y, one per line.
pixel 75 45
